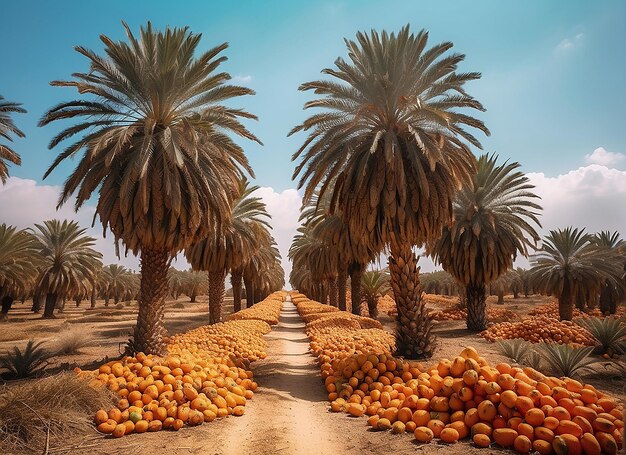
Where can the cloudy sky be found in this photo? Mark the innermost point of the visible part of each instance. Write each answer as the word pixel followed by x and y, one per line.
pixel 552 84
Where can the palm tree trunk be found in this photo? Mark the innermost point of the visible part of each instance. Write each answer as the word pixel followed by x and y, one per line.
pixel 333 291
pixel 235 281
pixel 356 272
pixel 93 297
pixel 247 281
pixel 414 337
pixel 500 296
pixel 7 301
pixel 149 331
pixel 342 279
pixel 78 301
pixel 566 303
pixel 38 302
pixel 216 295
pixel 476 302
pixel 372 306
pixel 192 297
pixel 51 304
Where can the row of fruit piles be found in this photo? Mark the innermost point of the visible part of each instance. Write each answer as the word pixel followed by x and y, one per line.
pixel 541 329
pixel 387 305
pixel 204 376
pixel 552 310
pixel 465 397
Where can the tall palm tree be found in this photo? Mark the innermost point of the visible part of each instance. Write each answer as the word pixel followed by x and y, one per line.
pixel 494 215
pixel 157 149
pixel 612 291
pixel 264 261
pixel 68 261
pixel 18 264
pixel 7 129
pixel 374 284
pixel 194 284
pixel 392 147
pixel 231 247
pixel 569 265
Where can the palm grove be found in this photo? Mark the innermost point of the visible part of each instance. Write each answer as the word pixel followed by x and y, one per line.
pixel 387 167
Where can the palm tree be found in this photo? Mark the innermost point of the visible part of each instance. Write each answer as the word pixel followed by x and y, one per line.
pixel 231 247
pixel 493 222
pixel 194 283
pixel 374 284
pixel 612 291
pixel 68 261
pixel 18 261
pixel 157 150
pixel 116 279
pixel 8 128
pixel 569 265
pixel 391 146
pixel 265 262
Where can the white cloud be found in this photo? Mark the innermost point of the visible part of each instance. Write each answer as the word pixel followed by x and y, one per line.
pixel 284 207
pixel 24 202
pixel 591 197
pixel 604 158
pixel 569 43
pixel 242 79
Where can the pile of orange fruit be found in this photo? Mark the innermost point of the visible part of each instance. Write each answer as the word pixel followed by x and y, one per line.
pixel 552 310
pixel 467 398
pixel 540 329
pixel 204 376
pixel 456 314
pixel 268 312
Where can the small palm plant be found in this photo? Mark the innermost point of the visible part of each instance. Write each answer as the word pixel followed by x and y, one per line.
pixel 23 364
pixel 610 333
pixel 374 284
pixel 516 349
pixel 566 360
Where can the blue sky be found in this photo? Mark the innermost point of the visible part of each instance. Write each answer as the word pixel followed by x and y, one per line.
pixel 552 81
pixel 553 85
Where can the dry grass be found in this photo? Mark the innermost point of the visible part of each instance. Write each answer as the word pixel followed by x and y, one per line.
pixel 71 341
pixel 52 412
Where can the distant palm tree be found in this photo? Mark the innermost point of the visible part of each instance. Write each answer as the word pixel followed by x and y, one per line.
pixel 391 146
pixel 156 148
pixel 18 264
pixel 230 247
pixel 569 265
pixel 194 283
pixel 68 261
pixel 117 280
pixel 374 284
pixel 263 273
pixel 494 218
pixel 8 128
pixel 612 291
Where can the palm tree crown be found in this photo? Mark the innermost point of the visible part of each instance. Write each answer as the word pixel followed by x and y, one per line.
pixel 156 146
pixel 18 260
pixel 8 128
pixel 570 265
pixel 390 142
pixel 494 216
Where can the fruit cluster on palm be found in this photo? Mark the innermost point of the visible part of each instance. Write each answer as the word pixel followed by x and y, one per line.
pixel 389 149
pixel 574 266
pixel 494 219
pixel 155 139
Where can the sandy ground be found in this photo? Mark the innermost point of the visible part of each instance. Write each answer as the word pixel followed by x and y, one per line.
pixel 288 414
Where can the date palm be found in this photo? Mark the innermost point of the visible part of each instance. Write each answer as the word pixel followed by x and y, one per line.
pixel 68 261
pixel 374 284
pixel 7 130
pixel 569 265
pixel 612 291
pixel 18 261
pixel 494 218
pixel 116 280
pixel 156 147
pixel 391 144
pixel 194 284
pixel 265 260
pixel 230 247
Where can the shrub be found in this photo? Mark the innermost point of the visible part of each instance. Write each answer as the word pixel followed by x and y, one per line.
pixel 23 364
pixel 610 333
pixel 565 360
pixel 516 349
pixel 72 341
